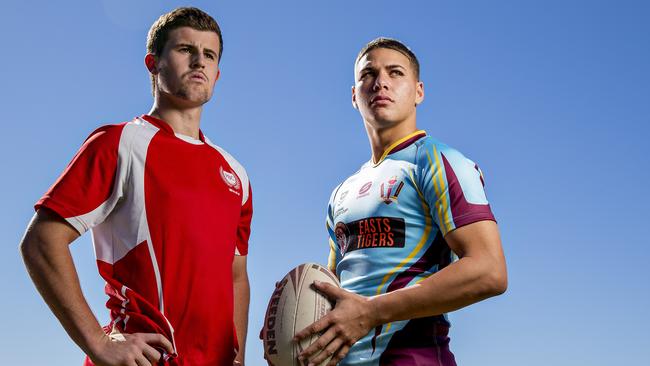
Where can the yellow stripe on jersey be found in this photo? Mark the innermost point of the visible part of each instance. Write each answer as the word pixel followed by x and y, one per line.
pixel 418 247
pixel 394 144
pixel 439 184
pixel 331 262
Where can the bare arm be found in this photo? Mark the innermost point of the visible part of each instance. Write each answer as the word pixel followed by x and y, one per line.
pixel 242 298
pixel 479 274
pixel 49 263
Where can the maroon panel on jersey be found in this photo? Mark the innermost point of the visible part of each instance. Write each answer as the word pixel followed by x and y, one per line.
pixel 463 212
pixel 422 342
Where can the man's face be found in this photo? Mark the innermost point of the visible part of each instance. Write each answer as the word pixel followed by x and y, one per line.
pixel 188 68
pixel 386 89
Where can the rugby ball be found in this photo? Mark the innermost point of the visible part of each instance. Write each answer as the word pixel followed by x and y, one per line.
pixel 294 305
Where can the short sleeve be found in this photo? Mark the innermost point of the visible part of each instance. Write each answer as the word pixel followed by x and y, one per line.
pixel 452 186
pixel 85 194
pixel 334 256
pixel 244 226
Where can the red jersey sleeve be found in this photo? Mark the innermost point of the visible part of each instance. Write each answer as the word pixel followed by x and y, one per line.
pixel 244 227
pixel 85 192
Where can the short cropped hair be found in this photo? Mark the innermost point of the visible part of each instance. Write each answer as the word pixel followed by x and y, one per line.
pixel 393 44
pixel 180 17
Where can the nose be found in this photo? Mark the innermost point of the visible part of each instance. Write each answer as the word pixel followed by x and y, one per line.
pixel 381 82
pixel 198 61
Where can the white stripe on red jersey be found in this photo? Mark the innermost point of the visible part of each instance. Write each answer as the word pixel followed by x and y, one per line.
pixel 167 217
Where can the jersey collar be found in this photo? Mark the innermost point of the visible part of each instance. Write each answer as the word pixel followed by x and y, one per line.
pixel 401 144
pixel 165 126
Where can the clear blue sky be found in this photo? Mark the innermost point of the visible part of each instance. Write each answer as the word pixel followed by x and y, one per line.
pixel 551 98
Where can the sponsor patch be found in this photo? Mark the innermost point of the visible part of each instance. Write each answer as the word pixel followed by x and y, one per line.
pixel 369 233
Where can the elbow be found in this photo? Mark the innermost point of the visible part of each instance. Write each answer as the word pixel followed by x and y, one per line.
pixel 26 249
pixel 496 282
pixel 30 251
pixel 491 281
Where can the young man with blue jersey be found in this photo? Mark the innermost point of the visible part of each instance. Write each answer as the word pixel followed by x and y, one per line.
pixel 412 235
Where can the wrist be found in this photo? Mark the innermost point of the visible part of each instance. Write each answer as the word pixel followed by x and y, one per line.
pixel 378 313
pixel 95 345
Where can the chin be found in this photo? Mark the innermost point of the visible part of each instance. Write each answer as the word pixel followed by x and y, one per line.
pixel 194 97
pixel 382 118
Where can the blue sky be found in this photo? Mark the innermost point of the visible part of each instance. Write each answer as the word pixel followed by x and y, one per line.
pixel 551 98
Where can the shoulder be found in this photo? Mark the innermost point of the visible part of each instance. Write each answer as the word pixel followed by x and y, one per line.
pixel 113 133
pixel 103 140
pixel 432 152
pixel 236 166
pixel 234 163
pixel 106 133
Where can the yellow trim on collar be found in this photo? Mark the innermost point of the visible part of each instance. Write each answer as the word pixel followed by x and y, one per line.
pixel 395 144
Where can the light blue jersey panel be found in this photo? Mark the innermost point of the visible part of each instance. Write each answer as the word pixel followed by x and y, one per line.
pixel 387 224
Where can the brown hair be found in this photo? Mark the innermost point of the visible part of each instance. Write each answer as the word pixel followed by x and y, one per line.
pixel 392 44
pixel 180 17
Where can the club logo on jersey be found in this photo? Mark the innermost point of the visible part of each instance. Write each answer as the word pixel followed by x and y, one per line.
pixel 342 196
pixel 342 236
pixel 363 191
pixel 230 179
pixel 390 190
pixel 370 233
pixel 338 206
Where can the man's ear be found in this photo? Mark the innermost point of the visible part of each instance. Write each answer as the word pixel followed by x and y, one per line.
pixel 354 98
pixel 419 93
pixel 151 63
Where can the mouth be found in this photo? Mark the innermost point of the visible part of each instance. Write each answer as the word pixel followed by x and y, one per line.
pixel 197 76
pixel 380 100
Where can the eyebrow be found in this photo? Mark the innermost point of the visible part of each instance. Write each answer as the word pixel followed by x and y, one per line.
pixel 395 66
pixel 208 50
pixel 392 66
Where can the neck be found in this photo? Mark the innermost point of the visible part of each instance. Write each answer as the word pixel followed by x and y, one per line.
pixel 182 121
pixel 382 137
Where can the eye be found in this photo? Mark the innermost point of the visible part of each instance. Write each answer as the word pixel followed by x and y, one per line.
pixel 396 72
pixel 365 74
pixel 209 55
pixel 184 50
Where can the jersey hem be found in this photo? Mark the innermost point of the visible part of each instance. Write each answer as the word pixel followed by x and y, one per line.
pixel 60 210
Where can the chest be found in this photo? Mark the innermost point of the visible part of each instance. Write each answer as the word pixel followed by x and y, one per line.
pixel 188 180
pixel 388 190
pixel 377 208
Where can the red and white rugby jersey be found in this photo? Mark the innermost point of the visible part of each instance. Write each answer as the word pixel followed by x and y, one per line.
pixel 168 213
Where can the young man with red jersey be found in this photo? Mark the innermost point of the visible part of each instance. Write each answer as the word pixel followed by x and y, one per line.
pixel 396 227
pixel 170 215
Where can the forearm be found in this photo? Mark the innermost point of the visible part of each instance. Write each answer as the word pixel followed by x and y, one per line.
pixel 49 263
pixel 460 284
pixel 241 302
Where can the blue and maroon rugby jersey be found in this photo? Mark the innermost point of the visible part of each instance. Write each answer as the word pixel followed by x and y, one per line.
pixel 387 224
